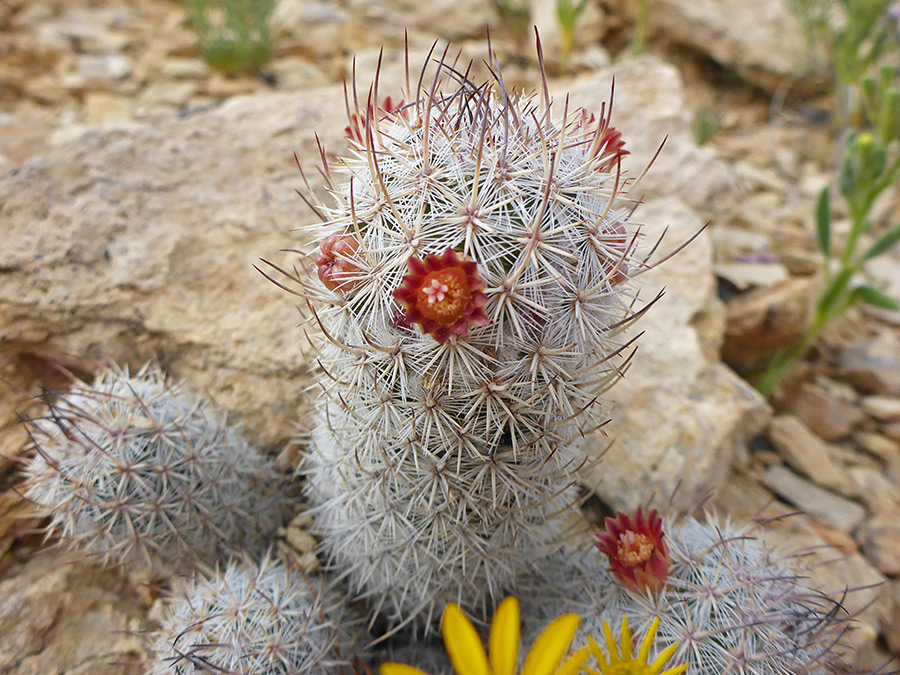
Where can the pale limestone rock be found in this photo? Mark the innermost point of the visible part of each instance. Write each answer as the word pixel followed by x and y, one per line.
pixel 879 493
pixel 321 27
pixel 107 109
pixel 184 68
pixel 879 445
pixel 891 623
pixel 827 407
pixel 880 541
pixel 374 23
pixel 649 106
pixel 808 453
pixel 763 41
pixel 844 514
pixel 61 615
pixel 746 275
pixel 123 246
pixel 678 417
pixel 873 366
pixel 765 320
pixel 883 408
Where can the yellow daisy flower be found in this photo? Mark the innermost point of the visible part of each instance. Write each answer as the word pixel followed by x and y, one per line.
pixel 625 663
pixel 546 656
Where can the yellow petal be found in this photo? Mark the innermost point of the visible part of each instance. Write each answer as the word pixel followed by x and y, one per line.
pixel 597 653
pixel 663 658
pixel 398 669
pixel 648 641
pixel 573 664
pixel 504 639
pixel 626 640
pixel 678 670
pixel 611 645
pixel 463 644
pixel 551 645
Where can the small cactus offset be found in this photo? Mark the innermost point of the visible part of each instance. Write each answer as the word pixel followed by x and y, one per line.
pixel 729 601
pixel 251 619
pixel 132 467
pixel 470 283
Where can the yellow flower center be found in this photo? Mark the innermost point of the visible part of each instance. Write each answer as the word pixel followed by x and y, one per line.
pixel 633 549
pixel 444 295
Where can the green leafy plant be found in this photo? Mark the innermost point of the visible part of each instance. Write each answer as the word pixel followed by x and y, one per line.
pixel 871 165
pixel 515 15
pixel 708 123
pixel 567 12
pixel 235 35
pixel 641 27
pixel 858 36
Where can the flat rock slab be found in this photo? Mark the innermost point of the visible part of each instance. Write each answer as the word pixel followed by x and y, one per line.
pixel 819 503
pixel 763 41
pixel 59 614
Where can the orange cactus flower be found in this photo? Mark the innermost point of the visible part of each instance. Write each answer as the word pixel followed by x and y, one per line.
pixel 443 294
pixel 638 556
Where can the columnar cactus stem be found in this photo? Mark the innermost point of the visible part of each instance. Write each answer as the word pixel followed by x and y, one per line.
pixel 471 280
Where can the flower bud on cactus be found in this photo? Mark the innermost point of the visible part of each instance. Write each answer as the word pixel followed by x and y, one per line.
pixel 468 338
pixel 132 467
pixel 731 603
pixel 254 619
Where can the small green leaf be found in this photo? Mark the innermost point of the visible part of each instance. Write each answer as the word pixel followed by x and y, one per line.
pixel 834 290
pixel 823 222
pixel 875 297
pixel 884 243
pixel 848 176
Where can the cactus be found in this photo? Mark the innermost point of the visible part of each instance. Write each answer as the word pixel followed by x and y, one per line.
pixel 470 283
pixel 731 603
pixel 251 619
pixel 133 468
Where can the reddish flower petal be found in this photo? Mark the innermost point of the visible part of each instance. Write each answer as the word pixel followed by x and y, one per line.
pixel 638 557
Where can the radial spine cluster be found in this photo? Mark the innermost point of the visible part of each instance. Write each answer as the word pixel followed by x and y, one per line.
pixel 731 603
pixel 251 619
pixel 468 284
pixel 132 467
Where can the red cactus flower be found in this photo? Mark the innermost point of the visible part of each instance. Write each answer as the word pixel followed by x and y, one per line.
pixel 443 294
pixel 335 261
pixel 611 147
pixel 638 557
pixel 356 130
pixel 605 140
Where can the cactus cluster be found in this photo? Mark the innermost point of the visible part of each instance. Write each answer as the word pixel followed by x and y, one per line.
pixel 250 619
pixel 730 601
pixel 471 278
pixel 132 467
